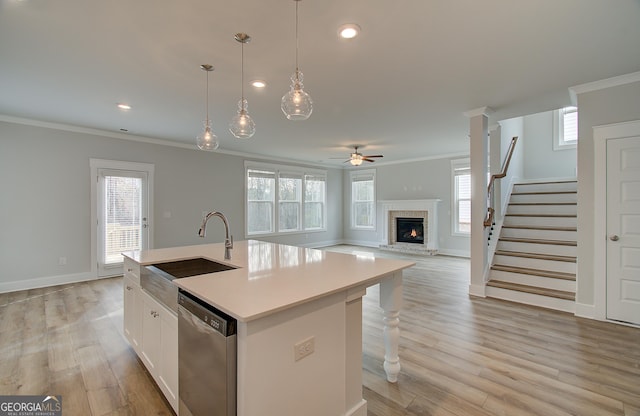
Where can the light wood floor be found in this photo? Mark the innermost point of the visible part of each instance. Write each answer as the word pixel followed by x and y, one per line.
pixel 460 355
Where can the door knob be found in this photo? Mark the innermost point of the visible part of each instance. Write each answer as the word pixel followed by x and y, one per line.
pixel 614 238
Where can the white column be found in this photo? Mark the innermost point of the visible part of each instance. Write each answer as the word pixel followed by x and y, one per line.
pixel 479 130
pixel 391 302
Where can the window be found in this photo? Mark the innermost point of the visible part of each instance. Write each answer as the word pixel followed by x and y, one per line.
pixel 565 128
pixel 284 199
pixel 461 178
pixel 261 195
pixel 363 199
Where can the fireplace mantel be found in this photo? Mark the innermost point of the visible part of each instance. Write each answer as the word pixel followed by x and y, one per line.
pixel 388 208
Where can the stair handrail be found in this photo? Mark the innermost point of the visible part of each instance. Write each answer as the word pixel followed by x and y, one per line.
pixel 488 222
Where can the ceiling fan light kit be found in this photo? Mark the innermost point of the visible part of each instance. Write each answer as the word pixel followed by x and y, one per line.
pixel 356 158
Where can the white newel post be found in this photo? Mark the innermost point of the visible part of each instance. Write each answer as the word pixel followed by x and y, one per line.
pixel 478 125
pixel 391 302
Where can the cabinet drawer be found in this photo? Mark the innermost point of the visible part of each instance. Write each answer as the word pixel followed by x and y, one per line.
pixel 132 270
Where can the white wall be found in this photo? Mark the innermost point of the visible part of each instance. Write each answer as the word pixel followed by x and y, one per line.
pixel 541 161
pixel 428 179
pixel 600 107
pixel 45 206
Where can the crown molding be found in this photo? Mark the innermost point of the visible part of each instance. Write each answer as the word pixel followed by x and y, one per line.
pixel 603 84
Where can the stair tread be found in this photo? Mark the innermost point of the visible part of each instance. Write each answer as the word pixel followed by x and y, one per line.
pixel 560 294
pixel 542 203
pixel 554 257
pixel 548 182
pixel 538 241
pixel 542 215
pixel 545 192
pixel 534 272
pixel 541 227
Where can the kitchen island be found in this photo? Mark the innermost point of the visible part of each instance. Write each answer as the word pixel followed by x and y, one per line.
pixel 285 296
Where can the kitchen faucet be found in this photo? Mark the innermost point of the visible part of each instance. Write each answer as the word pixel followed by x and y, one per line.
pixel 228 240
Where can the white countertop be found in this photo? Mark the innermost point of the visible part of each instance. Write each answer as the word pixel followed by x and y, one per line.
pixel 271 277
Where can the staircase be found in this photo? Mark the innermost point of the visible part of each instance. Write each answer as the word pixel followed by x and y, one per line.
pixel 535 258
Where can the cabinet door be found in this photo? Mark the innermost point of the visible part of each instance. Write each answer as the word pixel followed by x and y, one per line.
pixel 159 351
pixel 151 335
pixel 132 321
pixel 169 353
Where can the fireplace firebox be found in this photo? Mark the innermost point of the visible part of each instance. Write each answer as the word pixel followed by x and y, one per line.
pixel 410 230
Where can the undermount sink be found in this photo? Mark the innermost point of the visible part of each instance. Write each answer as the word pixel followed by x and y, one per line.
pixel 190 267
pixel 156 278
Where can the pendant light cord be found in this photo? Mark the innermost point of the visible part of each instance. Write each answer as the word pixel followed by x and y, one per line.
pixel 297 70
pixel 242 73
pixel 207 100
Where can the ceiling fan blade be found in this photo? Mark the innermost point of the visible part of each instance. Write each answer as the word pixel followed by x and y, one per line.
pixel 368 160
pixel 373 156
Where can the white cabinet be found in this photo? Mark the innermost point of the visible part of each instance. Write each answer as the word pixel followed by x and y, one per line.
pixel 159 348
pixel 152 331
pixel 132 325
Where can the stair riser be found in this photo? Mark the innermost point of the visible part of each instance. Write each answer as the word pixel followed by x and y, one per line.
pixel 533 198
pixel 541 221
pixel 542 209
pixel 538 248
pixel 529 299
pixel 546 187
pixel 548 265
pixel 539 234
pixel 537 281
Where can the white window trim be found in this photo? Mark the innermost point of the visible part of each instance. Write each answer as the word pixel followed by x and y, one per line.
pixel 457 164
pixel 284 169
pixel 354 174
pixel 558 132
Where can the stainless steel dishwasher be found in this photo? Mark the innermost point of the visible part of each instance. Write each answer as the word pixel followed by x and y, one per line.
pixel 206 359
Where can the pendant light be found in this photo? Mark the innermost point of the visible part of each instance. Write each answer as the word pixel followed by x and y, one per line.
pixel 296 104
pixel 207 140
pixel 241 125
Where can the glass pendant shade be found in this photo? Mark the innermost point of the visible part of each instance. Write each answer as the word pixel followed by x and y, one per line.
pixel 207 140
pixel 356 159
pixel 296 104
pixel 242 126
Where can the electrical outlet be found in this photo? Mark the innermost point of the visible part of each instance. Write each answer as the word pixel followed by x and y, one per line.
pixel 62 261
pixel 303 348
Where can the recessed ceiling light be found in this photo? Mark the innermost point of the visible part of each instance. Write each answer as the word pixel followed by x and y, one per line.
pixel 349 31
pixel 123 106
pixel 258 83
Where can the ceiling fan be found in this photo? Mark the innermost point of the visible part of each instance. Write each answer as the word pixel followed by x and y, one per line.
pixel 356 158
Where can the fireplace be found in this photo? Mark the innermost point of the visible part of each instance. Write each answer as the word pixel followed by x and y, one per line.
pixel 421 216
pixel 410 230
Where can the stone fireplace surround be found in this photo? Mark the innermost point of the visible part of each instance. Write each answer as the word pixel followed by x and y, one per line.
pixel 427 209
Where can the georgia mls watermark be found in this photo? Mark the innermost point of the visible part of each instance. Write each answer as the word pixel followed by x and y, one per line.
pixel 30 405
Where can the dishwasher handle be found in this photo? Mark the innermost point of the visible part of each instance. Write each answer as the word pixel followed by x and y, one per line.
pixel 211 316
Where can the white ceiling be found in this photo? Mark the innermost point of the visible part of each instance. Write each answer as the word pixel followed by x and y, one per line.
pixel 401 88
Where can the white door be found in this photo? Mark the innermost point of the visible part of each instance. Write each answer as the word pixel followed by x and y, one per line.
pixel 623 229
pixel 122 217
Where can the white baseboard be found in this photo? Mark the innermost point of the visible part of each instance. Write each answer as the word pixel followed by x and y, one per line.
pixel 477 290
pixel 454 253
pixel 586 311
pixel 363 243
pixel 319 244
pixel 45 282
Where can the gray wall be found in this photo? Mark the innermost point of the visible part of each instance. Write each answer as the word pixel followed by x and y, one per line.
pixel 428 179
pixel 540 160
pixel 606 106
pixel 45 205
